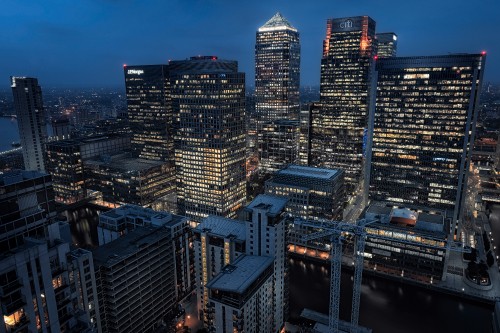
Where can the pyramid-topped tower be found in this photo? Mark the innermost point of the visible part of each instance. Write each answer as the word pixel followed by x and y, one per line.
pixel 277 22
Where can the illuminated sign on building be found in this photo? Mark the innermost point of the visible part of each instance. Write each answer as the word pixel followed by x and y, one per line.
pixel 346 24
pixel 135 71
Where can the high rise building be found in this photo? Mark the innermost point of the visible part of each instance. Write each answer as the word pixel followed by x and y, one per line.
pixel 208 97
pixel 135 278
pixel 219 246
pixel 150 116
pixel 423 121
pixel 338 128
pixel 120 221
pixel 277 83
pixel 277 70
pixel 387 44
pixel 35 293
pixel 31 120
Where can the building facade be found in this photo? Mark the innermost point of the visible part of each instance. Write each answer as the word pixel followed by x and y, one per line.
pixel 149 110
pixel 31 121
pixel 118 222
pixel 277 83
pixel 208 97
pixel 387 44
pixel 135 278
pixel 423 123
pixel 239 296
pixel 278 145
pixel 338 129
pixel 66 163
pixel 312 193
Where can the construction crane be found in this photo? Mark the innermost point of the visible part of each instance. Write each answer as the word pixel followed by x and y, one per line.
pixel 335 230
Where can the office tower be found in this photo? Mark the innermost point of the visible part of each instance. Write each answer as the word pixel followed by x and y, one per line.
pixel 239 296
pixel 338 128
pixel 423 120
pixel 120 221
pixel 277 83
pixel 66 160
pixel 121 179
pixel 208 97
pixel 34 279
pixel 150 116
pixel 278 144
pixel 31 120
pixel 312 193
pixel 135 278
pixel 387 44
pixel 277 70
pixel 217 242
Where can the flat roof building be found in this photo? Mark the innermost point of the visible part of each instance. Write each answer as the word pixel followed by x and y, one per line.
pixel 312 193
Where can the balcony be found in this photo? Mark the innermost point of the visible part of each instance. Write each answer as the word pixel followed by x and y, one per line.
pixel 10 288
pixel 11 307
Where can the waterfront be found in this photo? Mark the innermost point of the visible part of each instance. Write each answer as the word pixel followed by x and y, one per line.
pixel 8 133
pixel 386 306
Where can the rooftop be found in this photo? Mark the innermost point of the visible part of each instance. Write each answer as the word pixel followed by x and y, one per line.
pixel 223 227
pixel 125 246
pixel 237 277
pixel 277 22
pixel 304 171
pixel 274 204
pixel 124 163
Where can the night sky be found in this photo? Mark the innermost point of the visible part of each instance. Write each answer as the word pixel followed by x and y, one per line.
pixel 84 43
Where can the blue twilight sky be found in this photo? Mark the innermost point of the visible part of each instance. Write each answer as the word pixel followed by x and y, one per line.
pixel 86 42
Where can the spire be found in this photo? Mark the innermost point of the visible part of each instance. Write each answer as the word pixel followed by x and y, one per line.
pixel 277 22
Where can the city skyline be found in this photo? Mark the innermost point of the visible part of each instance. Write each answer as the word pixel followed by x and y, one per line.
pixel 90 42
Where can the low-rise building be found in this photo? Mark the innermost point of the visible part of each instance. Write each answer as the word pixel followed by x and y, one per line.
pixel 312 193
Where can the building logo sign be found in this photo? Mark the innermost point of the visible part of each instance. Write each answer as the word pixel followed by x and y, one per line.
pixel 135 71
pixel 346 24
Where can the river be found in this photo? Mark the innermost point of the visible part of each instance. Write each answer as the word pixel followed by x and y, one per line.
pixel 386 306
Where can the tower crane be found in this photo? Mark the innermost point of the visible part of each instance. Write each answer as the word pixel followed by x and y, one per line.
pixel 335 230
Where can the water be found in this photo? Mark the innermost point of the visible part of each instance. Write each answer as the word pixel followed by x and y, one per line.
pixel 9 133
pixel 386 306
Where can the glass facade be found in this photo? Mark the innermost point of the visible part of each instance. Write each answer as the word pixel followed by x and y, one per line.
pixel 338 124
pixel 278 145
pixel 151 118
pixel 277 82
pixel 208 97
pixel 387 44
pixel 423 125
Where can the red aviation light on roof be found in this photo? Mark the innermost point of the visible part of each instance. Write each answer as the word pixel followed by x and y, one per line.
pixel 124 65
pixel 483 52
pixel 375 57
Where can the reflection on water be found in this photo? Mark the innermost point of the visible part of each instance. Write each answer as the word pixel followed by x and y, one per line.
pixel 386 306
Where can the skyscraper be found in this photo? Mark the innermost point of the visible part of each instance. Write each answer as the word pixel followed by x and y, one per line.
pixel 339 126
pixel 387 44
pixel 423 123
pixel 277 82
pixel 208 98
pixel 31 120
pixel 150 115
pixel 277 70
